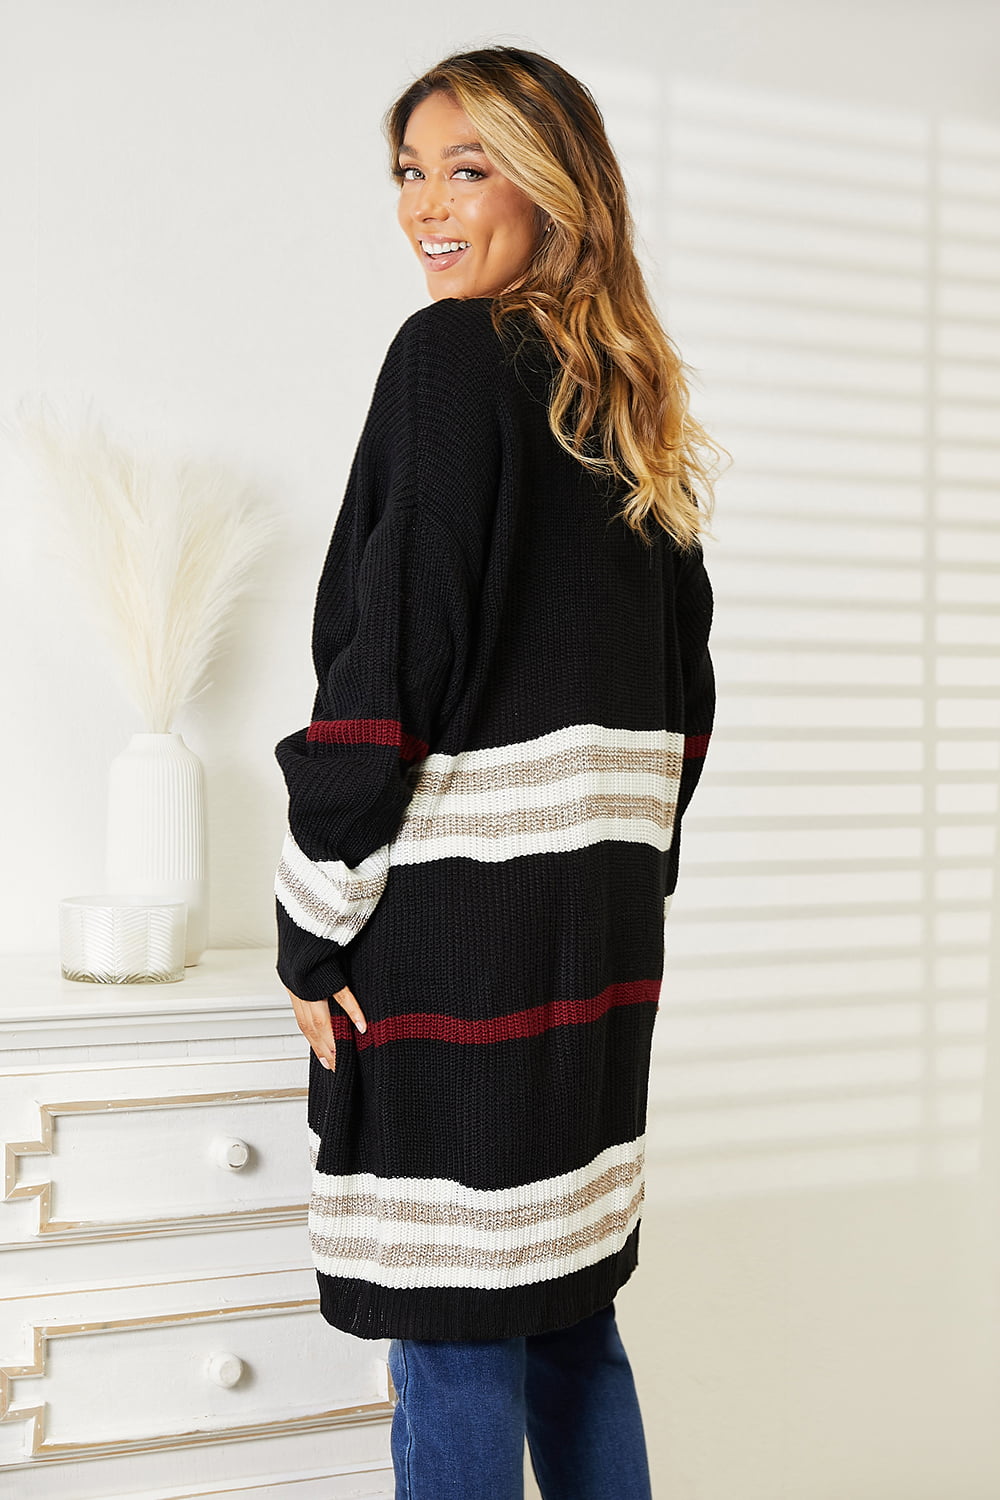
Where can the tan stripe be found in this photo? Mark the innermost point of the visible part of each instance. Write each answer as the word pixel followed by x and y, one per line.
pixel 348 921
pixel 545 769
pixel 497 823
pixel 456 1257
pixel 365 888
pixel 398 1210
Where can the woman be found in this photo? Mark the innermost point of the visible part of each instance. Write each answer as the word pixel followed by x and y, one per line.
pixel 513 704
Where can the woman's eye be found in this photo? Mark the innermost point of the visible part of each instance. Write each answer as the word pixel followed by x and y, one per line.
pixel 403 171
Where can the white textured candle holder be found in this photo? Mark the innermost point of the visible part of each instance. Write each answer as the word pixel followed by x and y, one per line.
pixel 122 939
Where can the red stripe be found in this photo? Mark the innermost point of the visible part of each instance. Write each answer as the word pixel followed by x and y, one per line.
pixel 433 1027
pixel 696 746
pixel 367 732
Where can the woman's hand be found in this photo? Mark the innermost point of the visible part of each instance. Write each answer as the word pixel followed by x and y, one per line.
pixel 316 1023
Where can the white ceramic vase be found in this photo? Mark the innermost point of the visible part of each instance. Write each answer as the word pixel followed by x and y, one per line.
pixel 157 834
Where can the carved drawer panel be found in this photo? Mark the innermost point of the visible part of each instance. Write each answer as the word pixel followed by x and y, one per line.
pixel 190 1376
pixel 151 1164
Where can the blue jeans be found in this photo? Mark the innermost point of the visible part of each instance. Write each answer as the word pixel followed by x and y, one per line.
pixel 464 1409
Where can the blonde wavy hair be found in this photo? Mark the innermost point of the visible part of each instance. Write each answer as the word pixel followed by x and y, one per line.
pixel 622 387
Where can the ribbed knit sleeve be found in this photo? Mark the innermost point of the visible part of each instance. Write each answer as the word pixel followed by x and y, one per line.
pixel 692 624
pixel 392 628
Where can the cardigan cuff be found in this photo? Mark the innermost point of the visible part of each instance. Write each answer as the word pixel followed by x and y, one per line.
pixel 314 971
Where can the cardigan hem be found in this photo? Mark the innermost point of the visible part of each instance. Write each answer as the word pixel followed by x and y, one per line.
pixel 456 1313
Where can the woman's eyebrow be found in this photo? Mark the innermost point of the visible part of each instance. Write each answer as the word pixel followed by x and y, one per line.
pixel 446 151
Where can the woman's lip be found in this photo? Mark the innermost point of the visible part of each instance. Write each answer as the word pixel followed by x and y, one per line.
pixel 442 262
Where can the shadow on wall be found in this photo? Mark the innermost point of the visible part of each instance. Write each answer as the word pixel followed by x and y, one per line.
pixel 833 942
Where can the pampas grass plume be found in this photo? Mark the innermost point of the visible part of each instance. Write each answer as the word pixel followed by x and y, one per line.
pixel 162 550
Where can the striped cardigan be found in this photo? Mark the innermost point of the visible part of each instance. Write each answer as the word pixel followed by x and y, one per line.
pixel 514 699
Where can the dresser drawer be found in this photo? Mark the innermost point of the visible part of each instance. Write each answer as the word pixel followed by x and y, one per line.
pixel 174 1160
pixel 193 1375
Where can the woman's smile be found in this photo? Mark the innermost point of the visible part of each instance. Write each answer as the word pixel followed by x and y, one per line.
pixel 442 253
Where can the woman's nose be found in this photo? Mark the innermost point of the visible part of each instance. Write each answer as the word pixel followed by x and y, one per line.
pixel 428 202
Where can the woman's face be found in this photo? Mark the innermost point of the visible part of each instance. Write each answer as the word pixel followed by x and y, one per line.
pixel 450 191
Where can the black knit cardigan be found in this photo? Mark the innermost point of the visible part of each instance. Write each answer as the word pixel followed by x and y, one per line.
pixel 514 700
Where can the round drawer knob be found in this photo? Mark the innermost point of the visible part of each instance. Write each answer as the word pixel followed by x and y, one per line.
pixel 224 1369
pixel 230 1151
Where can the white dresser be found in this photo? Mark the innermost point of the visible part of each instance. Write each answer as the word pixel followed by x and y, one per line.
pixel 159 1325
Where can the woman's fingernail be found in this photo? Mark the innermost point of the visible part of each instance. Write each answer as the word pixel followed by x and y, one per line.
pixel 361 1025
pixel 324 1062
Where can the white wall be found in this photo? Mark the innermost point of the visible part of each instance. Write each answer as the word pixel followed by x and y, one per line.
pixel 818 190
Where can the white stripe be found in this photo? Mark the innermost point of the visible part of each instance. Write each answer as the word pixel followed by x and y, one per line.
pixel 604 736
pixel 408 849
pixel 393 1235
pixel 562 801
pixel 327 897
